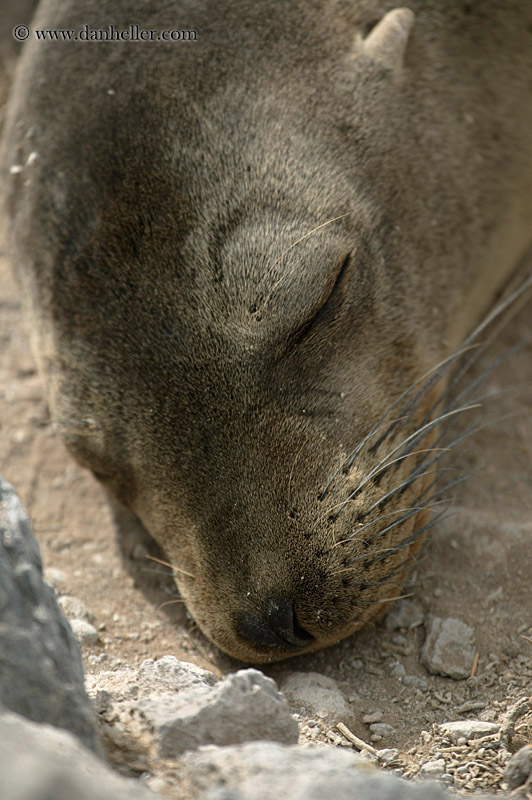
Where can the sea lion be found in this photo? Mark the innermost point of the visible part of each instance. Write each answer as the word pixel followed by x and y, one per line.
pixel 243 257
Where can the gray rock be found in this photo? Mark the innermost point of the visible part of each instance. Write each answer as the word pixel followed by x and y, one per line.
pixel 416 682
pixel 85 633
pixel 318 695
pixel 397 670
pixel 433 769
pixel 172 675
pixel 244 706
pixel 387 755
pixel 449 648
pixel 39 762
pixel 468 729
pixel 41 674
pixel 381 729
pixel 404 614
pixel 270 771
pixel 519 767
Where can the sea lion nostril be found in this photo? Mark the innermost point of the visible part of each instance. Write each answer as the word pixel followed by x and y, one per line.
pixel 278 627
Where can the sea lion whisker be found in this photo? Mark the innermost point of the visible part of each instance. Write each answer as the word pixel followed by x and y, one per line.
pixel 404 518
pixel 485 422
pixel 469 343
pixel 399 489
pixel 429 380
pixel 171 566
pixel 305 236
pixel 348 460
pixel 347 463
pixel 382 466
pixel 373 522
pixel 170 603
pixel 476 382
pixel 413 537
pixel 414 437
pixel 298 241
pixel 385 599
pixel 404 566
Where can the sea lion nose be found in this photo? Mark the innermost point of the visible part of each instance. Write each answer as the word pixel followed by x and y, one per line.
pixel 278 627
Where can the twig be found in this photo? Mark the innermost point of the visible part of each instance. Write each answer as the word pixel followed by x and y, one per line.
pixel 360 744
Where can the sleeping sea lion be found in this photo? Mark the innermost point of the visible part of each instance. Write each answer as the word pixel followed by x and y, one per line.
pixel 249 258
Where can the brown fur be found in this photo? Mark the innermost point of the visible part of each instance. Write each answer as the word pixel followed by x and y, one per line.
pixel 211 372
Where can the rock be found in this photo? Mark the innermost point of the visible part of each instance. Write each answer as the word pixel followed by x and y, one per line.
pixel 519 767
pixel 244 706
pixel 269 771
pixel 55 577
pixel 319 695
pixel 387 755
pixel 468 729
pixel 397 670
pixel 433 769
pixel 41 674
pixel 170 674
pixel 85 633
pixel 381 729
pixel 449 647
pixel 416 682
pixel 404 614
pixel 73 608
pixel 39 762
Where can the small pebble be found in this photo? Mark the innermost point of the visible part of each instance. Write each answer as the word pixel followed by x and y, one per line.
pixel 381 729
pixel 73 608
pixel 55 577
pixel 404 614
pixel 85 633
pixel 387 755
pixel 374 716
pixel 415 682
pixel 433 769
pixel 397 670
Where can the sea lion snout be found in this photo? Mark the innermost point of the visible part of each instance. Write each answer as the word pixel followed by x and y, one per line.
pixel 278 626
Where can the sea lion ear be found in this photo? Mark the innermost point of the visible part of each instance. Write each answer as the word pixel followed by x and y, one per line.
pixel 386 43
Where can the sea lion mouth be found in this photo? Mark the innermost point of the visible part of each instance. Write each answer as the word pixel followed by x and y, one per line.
pixel 278 627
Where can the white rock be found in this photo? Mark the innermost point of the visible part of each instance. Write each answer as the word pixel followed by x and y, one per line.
pixel 55 577
pixel 433 769
pixel 468 729
pixel 382 729
pixel 170 674
pixel 85 633
pixel 387 755
pixel 319 695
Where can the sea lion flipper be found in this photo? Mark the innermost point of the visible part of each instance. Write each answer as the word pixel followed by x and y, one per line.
pixel 386 43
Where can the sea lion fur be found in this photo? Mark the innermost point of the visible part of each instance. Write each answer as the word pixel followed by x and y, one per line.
pixel 237 253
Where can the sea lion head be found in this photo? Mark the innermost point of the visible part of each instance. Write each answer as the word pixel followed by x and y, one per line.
pixel 218 317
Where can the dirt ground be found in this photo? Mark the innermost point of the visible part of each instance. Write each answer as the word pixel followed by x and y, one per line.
pixel 478 568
